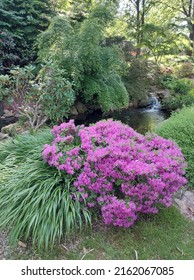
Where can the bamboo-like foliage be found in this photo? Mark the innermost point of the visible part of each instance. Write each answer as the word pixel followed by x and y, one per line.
pixel 37 202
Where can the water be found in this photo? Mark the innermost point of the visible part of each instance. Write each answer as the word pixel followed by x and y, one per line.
pixel 142 120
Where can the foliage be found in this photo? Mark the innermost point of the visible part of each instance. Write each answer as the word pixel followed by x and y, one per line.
pixel 181 86
pixel 179 127
pixel 182 93
pixel 136 13
pixel 57 94
pixel 173 103
pixel 184 11
pixel 7 52
pixel 112 94
pixel 92 67
pixel 116 169
pixel 159 41
pixel 184 69
pixel 47 95
pixel 22 21
pixel 138 77
pixel 4 92
pixel 35 199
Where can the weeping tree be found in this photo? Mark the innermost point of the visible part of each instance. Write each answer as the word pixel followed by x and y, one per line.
pixel 93 67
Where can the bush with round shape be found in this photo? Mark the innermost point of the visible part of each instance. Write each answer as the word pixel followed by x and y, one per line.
pixel 117 170
pixel 180 128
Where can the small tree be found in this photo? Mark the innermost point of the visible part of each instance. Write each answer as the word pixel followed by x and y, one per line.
pixel 92 67
pixel 47 96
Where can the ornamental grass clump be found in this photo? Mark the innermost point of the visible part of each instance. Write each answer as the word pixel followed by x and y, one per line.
pixel 119 172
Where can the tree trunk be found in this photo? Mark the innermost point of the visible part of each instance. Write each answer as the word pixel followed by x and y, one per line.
pixel 138 49
pixel 191 37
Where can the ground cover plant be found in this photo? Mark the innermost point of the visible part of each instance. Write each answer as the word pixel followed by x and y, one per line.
pixel 35 201
pixel 106 168
pixel 180 128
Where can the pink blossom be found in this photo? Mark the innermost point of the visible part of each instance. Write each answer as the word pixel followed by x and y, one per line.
pixel 116 169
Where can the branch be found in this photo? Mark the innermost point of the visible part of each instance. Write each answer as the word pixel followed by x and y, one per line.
pixel 184 9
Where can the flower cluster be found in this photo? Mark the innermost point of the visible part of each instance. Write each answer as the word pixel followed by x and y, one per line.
pixel 117 169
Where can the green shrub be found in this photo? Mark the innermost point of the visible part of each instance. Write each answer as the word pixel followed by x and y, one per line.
pixel 47 95
pixel 136 79
pixel 35 199
pixel 180 128
pixel 93 67
pixel 180 86
pixel 173 103
pixel 181 93
pixel 183 70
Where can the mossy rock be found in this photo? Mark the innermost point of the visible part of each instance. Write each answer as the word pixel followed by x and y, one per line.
pixel 12 129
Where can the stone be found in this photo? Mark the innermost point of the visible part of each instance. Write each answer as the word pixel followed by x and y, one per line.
pixel 17 115
pixel 81 108
pixel 8 114
pixel 73 111
pixel 145 102
pixel 3 136
pixel 21 244
pixel 186 204
pixel 11 129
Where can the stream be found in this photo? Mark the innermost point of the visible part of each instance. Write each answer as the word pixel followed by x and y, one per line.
pixel 142 120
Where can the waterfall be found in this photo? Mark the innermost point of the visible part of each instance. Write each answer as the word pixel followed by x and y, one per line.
pixel 155 104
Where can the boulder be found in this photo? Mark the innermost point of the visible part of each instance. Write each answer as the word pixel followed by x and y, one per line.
pixel 186 204
pixel 11 129
pixel 3 136
pixel 73 111
pixel 81 108
pixel 8 114
pixel 145 102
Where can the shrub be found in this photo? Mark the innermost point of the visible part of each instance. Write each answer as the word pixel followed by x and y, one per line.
pixel 36 199
pixel 180 128
pixel 39 98
pixel 181 86
pixel 173 103
pixel 93 68
pixel 183 70
pixel 117 170
pixel 182 93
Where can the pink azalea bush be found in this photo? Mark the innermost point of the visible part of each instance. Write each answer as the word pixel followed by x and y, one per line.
pixel 116 169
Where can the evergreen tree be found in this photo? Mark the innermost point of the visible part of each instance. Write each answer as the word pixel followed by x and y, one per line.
pixel 21 21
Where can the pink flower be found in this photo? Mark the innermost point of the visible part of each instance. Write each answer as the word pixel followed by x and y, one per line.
pixel 116 169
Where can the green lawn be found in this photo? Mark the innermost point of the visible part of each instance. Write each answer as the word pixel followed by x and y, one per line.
pixel 166 235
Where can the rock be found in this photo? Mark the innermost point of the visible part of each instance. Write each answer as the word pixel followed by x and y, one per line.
pixel 145 102
pixel 74 111
pixel 11 129
pixel 81 108
pixel 186 204
pixel 17 115
pixel 8 114
pixel 3 136
pixel 21 244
